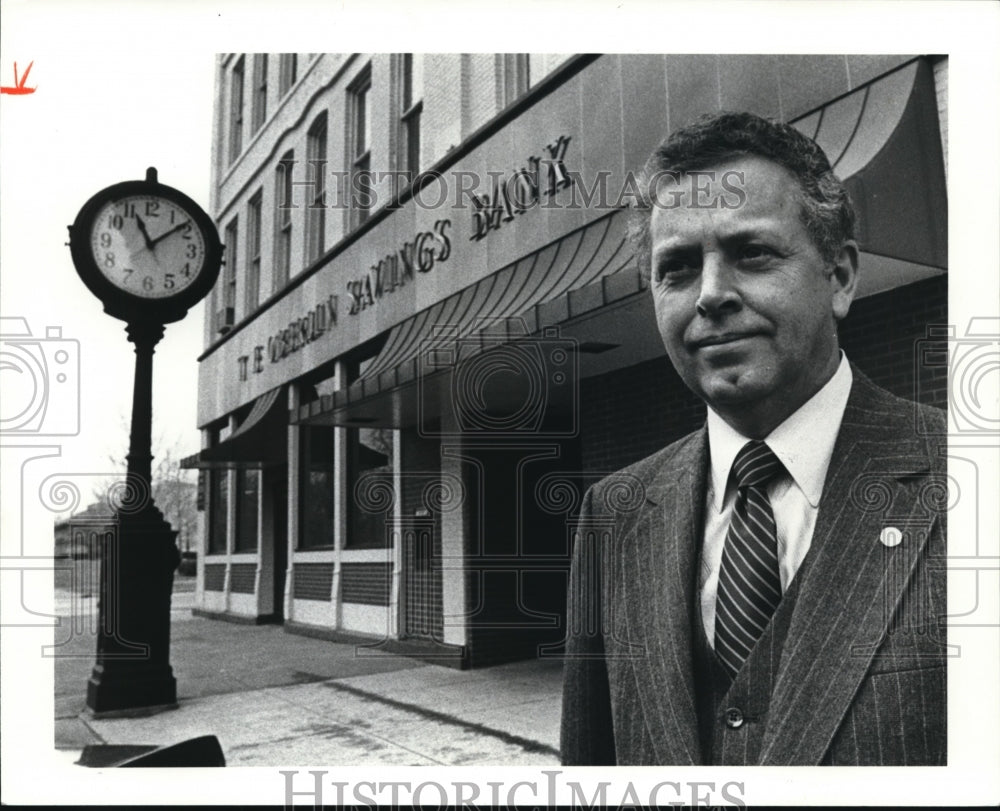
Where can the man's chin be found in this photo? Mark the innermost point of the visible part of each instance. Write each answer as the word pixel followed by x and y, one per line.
pixel 732 388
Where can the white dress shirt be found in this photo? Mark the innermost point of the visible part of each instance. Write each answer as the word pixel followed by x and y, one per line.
pixel 804 444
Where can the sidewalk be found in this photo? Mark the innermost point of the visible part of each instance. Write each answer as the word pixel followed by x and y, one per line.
pixel 274 698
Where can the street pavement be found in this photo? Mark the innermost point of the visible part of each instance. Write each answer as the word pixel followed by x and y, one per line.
pixel 274 698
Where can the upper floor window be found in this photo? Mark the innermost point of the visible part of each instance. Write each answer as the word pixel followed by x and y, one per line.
pixel 410 88
pixel 226 316
pixel 253 252
pixel 287 72
pixel 283 220
pixel 259 91
pixel 515 76
pixel 316 202
pixel 236 110
pixel 359 149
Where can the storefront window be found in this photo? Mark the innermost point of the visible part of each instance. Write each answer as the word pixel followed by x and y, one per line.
pixel 247 490
pixel 317 511
pixel 369 457
pixel 218 482
pixel 316 505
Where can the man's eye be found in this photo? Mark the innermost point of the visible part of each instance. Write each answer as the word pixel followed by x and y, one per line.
pixel 755 253
pixel 672 268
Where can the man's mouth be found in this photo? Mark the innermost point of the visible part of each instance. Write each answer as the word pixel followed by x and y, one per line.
pixel 721 339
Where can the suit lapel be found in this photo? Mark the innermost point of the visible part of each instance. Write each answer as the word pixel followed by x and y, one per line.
pixel 851 582
pixel 659 559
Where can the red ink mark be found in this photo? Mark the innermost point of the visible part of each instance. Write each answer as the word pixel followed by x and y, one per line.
pixel 19 89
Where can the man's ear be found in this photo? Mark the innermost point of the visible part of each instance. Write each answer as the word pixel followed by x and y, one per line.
pixel 844 278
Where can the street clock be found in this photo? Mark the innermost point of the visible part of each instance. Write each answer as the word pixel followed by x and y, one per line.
pixel 146 250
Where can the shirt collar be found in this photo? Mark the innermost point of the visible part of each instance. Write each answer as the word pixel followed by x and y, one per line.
pixel 803 442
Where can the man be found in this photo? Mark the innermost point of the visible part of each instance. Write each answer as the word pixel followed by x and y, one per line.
pixel 777 597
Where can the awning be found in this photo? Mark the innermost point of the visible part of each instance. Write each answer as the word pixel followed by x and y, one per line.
pixel 584 270
pixel 261 440
pixel 884 142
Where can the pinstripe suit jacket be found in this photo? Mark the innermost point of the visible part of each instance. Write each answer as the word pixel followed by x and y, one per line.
pixel 860 678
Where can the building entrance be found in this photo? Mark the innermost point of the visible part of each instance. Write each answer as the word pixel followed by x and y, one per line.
pixel 420 540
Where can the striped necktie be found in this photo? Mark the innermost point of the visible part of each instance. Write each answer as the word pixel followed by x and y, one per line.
pixel 749 584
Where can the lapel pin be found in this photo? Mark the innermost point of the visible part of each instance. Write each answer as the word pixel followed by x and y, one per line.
pixel 891 536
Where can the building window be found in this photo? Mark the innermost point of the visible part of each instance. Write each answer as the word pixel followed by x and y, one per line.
pixel 369 453
pixel 317 508
pixel 316 204
pixel 514 78
pixel 253 252
pixel 359 149
pixel 283 221
pixel 218 508
pixel 287 66
pixel 259 91
pixel 316 505
pixel 236 110
pixel 247 497
pixel 410 89
pixel 228 312
pixel 369 459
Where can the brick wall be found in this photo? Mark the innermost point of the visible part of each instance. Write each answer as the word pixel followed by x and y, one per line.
pixel 479 82
pixel 631 413
pixel 441 121
pixel 885 336
pixel 941 91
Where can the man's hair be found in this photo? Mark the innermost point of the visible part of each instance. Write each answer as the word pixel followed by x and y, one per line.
pixel 827 212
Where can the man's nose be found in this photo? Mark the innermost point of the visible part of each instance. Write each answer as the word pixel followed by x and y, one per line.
pixel 718 294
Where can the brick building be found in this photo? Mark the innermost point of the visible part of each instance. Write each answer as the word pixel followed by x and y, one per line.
pixel 430 333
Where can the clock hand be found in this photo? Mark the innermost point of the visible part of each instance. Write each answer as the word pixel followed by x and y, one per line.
pixel 166 234
pixel 145 233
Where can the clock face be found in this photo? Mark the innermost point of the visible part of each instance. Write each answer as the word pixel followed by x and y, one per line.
pixel 147 246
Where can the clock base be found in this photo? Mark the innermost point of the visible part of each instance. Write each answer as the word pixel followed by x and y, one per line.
pixel 133 644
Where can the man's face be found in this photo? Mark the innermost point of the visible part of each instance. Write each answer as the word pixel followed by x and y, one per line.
pixel 745 304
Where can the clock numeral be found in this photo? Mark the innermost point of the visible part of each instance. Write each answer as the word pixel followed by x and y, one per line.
pixel 152 208
pixel 147 282
pixel 168 281
pixel 105 240
pixel 115 221
pixel 173 216
pixel 128 274
pixel 192 251
pixel 128 210
pixel 109 260
pixel 186 230
pixel 186 270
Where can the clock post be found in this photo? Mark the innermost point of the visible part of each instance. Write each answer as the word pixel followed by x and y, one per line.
pixel 149 253
pixel 137 569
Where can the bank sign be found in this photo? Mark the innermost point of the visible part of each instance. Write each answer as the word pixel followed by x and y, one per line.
pixel 510 193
